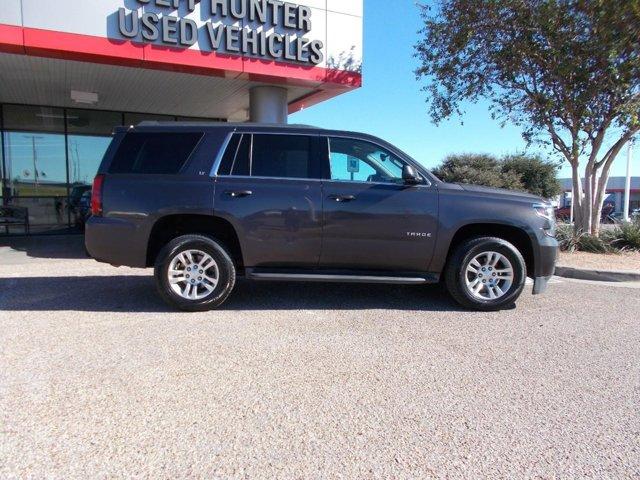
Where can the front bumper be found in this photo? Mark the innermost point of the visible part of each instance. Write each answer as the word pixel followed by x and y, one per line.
pixel 545 264
pixel 540 285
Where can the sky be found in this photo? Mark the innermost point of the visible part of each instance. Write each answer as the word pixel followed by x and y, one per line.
pixel 392 106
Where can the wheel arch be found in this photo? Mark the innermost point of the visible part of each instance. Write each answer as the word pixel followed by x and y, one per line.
pixel 169 227
pixel 517 236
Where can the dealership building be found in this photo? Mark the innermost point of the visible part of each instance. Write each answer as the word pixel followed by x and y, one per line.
pixel 615 193
pixel 71 70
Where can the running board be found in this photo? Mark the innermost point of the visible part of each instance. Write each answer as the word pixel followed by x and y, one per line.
pixel 319 277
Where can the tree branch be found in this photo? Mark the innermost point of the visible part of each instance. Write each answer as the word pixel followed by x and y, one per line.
pixel 612 153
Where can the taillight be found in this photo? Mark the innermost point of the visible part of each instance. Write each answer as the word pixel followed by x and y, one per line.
pixel 96 195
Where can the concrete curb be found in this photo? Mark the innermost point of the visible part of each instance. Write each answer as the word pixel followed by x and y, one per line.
pixel 598 275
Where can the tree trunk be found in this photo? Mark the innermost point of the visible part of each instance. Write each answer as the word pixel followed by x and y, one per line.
pixel 577 201
pixel 583 208
pixel 602 192
pixel 588 200
pixel 597 209
pixel 585 226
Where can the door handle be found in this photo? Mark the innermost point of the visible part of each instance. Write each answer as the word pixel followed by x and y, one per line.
pixel 342 198
pixel 239 193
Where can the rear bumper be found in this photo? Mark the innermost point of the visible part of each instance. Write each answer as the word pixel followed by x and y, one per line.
pixel 115 241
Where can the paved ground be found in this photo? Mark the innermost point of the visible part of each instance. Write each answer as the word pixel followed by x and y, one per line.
pixel 100 380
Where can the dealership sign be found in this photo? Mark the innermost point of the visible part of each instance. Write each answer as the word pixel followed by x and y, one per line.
pixel 273 29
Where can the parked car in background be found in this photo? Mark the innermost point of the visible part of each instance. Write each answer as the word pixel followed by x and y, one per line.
pixel 563 214
pixel 616 217
pixel 75 199
pixel 84 209
pixel 204 203
pixel 607 211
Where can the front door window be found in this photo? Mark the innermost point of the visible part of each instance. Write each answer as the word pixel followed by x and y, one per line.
pixel 360 161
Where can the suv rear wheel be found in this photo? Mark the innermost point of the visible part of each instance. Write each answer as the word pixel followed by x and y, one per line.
pixel 485 273
pixel 194 273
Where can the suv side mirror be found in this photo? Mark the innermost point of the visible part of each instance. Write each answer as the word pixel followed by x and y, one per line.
pixel 410 176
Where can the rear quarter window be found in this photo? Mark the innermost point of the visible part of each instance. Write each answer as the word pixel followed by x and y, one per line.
pixel 154 152
pixel 236 158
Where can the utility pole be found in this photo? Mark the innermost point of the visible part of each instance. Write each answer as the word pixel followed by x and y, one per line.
pixel 34 155
pixel 35 160
pixel 627 185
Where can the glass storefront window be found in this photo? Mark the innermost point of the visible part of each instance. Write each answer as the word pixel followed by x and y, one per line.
pixel 29 118
pixel 89 135
pixel 92 122
pixel 36 179
pixel 85 155
pixel 46 187
pixel 136 118
pixel 200 119
pixel 35 165
pixel 2 187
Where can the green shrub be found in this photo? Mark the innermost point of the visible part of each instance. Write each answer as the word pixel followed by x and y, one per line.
pixel 525 172
pixel 566 237
pixel 582 242
pixel 593 244
pixel 537 175
pixel 626 236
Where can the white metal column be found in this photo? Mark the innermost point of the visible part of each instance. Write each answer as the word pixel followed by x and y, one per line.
pixel 627 185
pixel 268 105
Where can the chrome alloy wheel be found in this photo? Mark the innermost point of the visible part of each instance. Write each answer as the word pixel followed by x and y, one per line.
pixel 489 276
pixel 193 274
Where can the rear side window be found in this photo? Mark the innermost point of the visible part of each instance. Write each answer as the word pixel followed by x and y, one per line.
pixel 283 156
pixel 271 156
pixel 235 160
pixel 154 153
pixel 242 162
pixel 226 165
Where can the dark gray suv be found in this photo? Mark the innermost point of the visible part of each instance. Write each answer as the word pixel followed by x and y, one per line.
pixel 205 203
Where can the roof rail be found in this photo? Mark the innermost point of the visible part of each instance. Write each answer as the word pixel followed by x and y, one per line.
pixel 152 123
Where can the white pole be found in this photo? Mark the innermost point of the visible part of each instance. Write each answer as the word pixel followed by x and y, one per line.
pixel 627 185
pixel 572 203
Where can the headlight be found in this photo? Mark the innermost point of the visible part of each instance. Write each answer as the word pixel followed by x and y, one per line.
pixel 546 211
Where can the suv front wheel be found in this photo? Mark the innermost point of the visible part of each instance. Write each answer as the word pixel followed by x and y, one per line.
pixel 194 273
pixel 486 273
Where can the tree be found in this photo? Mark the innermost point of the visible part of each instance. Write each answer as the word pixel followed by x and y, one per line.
pixel 538 176
pixel 515 172
pixel 477 169
pixel 566 71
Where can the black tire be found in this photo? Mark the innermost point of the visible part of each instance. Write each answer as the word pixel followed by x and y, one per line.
pixel 456 271
pixel 226 273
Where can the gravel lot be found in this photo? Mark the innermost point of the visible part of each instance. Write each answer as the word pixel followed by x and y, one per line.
pixel 100 380
pixel 615 261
